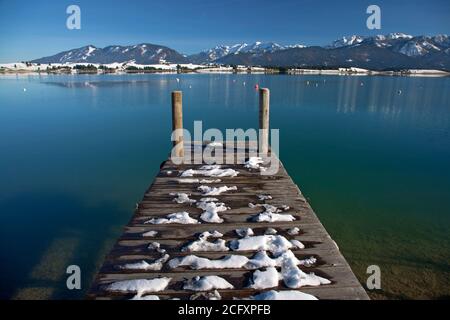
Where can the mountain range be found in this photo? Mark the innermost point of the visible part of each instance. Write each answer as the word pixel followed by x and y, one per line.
pixel 144 53
pixel 381 52
pixel 214 54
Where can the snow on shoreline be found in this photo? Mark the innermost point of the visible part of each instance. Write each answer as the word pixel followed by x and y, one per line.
pixel 120 67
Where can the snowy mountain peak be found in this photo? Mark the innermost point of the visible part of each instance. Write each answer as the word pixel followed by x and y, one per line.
pixel 90 50
pixel 293 46
pixel 412 49
pixel 397 42
pixel 378 39
pixel 423 45
pixel 398 35
pixel 442 39
pixel 257 47
pixel 347 41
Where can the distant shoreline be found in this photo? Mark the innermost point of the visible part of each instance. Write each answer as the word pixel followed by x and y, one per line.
pixel 293 72
pixel 133 68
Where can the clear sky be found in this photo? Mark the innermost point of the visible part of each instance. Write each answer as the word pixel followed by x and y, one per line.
pixel 32 29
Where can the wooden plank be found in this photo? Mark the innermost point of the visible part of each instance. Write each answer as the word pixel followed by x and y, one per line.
pixel 325 293
pixel 307 232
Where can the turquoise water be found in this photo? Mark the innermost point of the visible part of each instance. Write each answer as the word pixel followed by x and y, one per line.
pixel 372 154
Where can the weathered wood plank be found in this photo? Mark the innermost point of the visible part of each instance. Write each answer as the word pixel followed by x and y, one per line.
pixel 189 232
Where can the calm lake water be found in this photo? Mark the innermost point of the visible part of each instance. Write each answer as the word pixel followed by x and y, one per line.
pixel 77 153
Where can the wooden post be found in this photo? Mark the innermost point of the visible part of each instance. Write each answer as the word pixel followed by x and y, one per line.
pixel 177 122
pixel 264 101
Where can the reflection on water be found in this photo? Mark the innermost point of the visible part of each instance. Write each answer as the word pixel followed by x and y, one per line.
pixel 105 84
pixel 378 94
pixel 355 93
pixel 371 154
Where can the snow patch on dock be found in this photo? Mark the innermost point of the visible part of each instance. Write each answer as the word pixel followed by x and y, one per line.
pixel 215 191
pixel 207 283
pixel 211 209
pixel 273 243
pixel 144 265
pixel 210 171
pixel 295 278
pixel 254 163
pixel 244 232
pixel 187 180
pixel 182 198
pixel 177 217
pixel 271 213
pixel 140 286
pixel 150 233
pixel 196 263
pixel 283 295
pixel 202 244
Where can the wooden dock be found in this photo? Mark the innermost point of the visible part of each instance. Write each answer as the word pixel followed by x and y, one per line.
pixel 137 243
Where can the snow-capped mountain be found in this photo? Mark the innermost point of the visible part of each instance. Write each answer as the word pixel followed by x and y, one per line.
pixel 398 35
pixel 380 40
pixel 217 52
pixel 294 46
pixel 81 54
pixel 420 46
pixel 346 41
pixel 144 53
pixel 256 47
pixel 391 51
pixel 397 42
pixel 261 47
pixel 220 51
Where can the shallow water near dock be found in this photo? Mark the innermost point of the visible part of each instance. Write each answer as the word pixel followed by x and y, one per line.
pixel 371 154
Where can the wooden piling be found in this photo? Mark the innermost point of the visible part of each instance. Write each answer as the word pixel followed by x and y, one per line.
pixel 177 123
pixel 264 101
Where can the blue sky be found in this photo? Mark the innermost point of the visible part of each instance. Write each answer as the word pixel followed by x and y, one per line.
pixel 32 29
